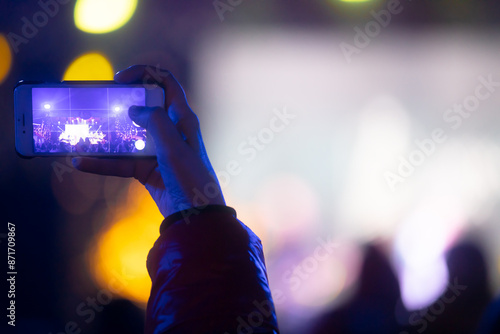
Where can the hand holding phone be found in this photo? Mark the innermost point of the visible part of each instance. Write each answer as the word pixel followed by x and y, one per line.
pixel 181 177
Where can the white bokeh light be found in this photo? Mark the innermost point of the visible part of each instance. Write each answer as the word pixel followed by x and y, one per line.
pixel 140 144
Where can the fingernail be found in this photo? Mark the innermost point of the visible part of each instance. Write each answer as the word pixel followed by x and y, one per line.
pixel 117 76
pixel 76 162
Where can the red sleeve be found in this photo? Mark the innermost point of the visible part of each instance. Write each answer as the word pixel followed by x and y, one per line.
pixel 208 276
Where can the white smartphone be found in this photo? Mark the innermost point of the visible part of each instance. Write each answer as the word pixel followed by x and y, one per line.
pixel 85 118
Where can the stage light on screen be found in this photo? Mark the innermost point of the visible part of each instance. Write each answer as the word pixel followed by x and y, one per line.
pixel 5 58
pixel 140 144
pixel 117 109
pixel 103 16
pixel 90 66
pixel 46 106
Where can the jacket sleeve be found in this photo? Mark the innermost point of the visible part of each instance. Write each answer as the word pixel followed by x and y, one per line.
pixel 208 276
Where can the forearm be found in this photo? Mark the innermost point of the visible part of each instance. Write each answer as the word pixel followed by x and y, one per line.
pixel 208 275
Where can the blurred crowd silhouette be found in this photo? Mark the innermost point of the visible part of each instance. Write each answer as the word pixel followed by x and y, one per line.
pixel 465 307
pixel 376 308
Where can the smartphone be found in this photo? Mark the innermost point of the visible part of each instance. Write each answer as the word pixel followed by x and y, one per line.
pixel 84 118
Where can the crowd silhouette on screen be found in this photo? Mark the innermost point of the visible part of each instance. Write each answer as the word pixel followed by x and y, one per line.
pixel 118 145
pixel 49 136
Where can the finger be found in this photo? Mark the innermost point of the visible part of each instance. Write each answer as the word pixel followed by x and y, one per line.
pixel 122 168
pixel 139 169
pixel 149 75
pixel 141 74
pixel 163 127
pixel 176 104
pixel 189 126
pixel 157 122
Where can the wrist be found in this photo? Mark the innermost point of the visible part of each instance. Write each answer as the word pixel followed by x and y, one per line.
pixel 186 214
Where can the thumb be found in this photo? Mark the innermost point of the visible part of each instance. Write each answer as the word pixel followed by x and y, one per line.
pixel 157 122
pixel 140 115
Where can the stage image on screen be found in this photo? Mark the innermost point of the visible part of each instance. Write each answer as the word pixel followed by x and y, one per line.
pixel 87 120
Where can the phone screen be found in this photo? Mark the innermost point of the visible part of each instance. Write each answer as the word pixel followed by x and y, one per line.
pixel 87 120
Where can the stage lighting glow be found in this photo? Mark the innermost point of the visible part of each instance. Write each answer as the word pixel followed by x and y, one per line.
pixel 5 58
pixel 117 108
pixel 381 135
pixel 288 204
pixel 322 286
pixel 118 256
pixel 140 144
pixel 457 191
pixel 420 246
pixel 421 286
pixel 46 106
pixel 103 16
pixel 89 66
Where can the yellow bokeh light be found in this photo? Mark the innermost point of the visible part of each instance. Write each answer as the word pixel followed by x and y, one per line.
pixel 119 253
pixel 5 58
pixel 90 66
pixel 103 16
